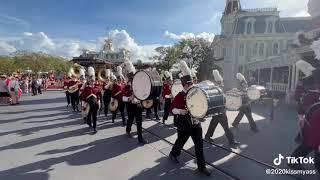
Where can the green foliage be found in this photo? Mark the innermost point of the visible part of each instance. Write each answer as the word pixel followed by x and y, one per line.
pixel 37 62
pixel 201 53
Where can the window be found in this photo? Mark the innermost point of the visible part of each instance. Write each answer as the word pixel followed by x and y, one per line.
pixel 241 50
pixel 255 49
pixel 249 28
pixel 275 49
pixel 261 49
pixel 224 52
pixel 270 27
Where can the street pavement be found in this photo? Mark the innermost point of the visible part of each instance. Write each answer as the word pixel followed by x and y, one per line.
pixel 43 139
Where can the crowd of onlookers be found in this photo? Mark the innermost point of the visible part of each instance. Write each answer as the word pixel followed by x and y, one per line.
pixel 13 86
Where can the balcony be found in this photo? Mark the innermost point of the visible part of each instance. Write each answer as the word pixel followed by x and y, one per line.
pixel 278 87
pixel 258 10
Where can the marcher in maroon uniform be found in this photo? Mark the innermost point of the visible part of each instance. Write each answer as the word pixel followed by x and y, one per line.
pixel 74 95
pixel 308 113
pixel 134 106
pixel 117 94
pixel 92 95
pixel 166 94
pixel 65 87
pixel 187 126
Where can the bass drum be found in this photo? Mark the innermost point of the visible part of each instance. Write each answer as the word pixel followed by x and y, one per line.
pixel 233 100
pixel 204 100
pixel 255 92
pixel 146 85
pixel 176 87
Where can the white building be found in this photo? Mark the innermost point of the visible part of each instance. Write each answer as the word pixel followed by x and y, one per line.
pixel 258 43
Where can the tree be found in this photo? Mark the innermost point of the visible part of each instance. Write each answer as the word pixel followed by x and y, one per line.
pixel 23 60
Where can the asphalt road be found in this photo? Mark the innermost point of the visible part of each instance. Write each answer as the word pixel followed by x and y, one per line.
pixel 42 139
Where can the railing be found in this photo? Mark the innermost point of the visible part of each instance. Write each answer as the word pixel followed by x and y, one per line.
pixel 261 10
pixel 279 87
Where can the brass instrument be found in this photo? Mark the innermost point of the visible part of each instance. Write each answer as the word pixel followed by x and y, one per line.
pixel 113 105
pixel 103 75
pixel 147 103
pixel 74 88
pixel 76 70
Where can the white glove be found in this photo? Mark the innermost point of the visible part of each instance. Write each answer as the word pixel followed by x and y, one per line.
pixel 176 111
pixel 125 99
pixel 167 96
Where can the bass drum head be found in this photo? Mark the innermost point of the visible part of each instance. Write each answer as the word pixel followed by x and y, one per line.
pixel 176 87
pixel 141 85
pixel 233 102
pixel 253 93
pixel 197 102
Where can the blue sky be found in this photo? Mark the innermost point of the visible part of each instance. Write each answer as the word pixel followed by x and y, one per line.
pixel 145 21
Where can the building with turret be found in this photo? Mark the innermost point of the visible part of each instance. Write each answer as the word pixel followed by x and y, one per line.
pixel 106 58
pixel 258 43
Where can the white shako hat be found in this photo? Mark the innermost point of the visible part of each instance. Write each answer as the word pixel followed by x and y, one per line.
pixel 186 73
pixel 217 76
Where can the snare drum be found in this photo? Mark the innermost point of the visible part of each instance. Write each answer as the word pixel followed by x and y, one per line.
pixel 205 100
pixel 255 92
pixel 233 100
pixel 176 87
pixel 146 85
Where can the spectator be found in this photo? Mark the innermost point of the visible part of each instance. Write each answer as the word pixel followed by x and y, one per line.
pixel 14 89
pixel 34 86
pixel 4 92
pixel 39 82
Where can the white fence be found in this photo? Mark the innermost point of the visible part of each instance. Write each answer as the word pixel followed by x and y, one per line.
pixel 280 87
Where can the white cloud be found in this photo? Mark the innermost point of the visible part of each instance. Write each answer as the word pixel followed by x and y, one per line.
pixel 121 39
pixel 10 20
pixel 27 33
pixel 184 35
pixel 69 48
pixel 5 48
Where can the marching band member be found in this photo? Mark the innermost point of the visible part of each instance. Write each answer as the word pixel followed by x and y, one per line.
pixel 308 113
pixel 245 109
pixel 154 105
pixel 92 95
pixel 185 124
pixel 222 118
pixel 74 95
pixel 166 94
pixel 117 94
pixel 65 87
pixel 134 107
pixel 107 92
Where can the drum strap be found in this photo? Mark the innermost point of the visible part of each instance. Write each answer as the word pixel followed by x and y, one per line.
pixel 310 109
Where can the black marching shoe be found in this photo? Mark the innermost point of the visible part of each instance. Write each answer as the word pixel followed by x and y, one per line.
pixel 112 120
pixel 234 125
pixel 163 121
pixel 129 135
pixel 255 130
pixel 208 139
pixel 173 158
pixel 204 171
pixel 157 118
pixel 143 142
pixel 234 144
pixel 95 131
